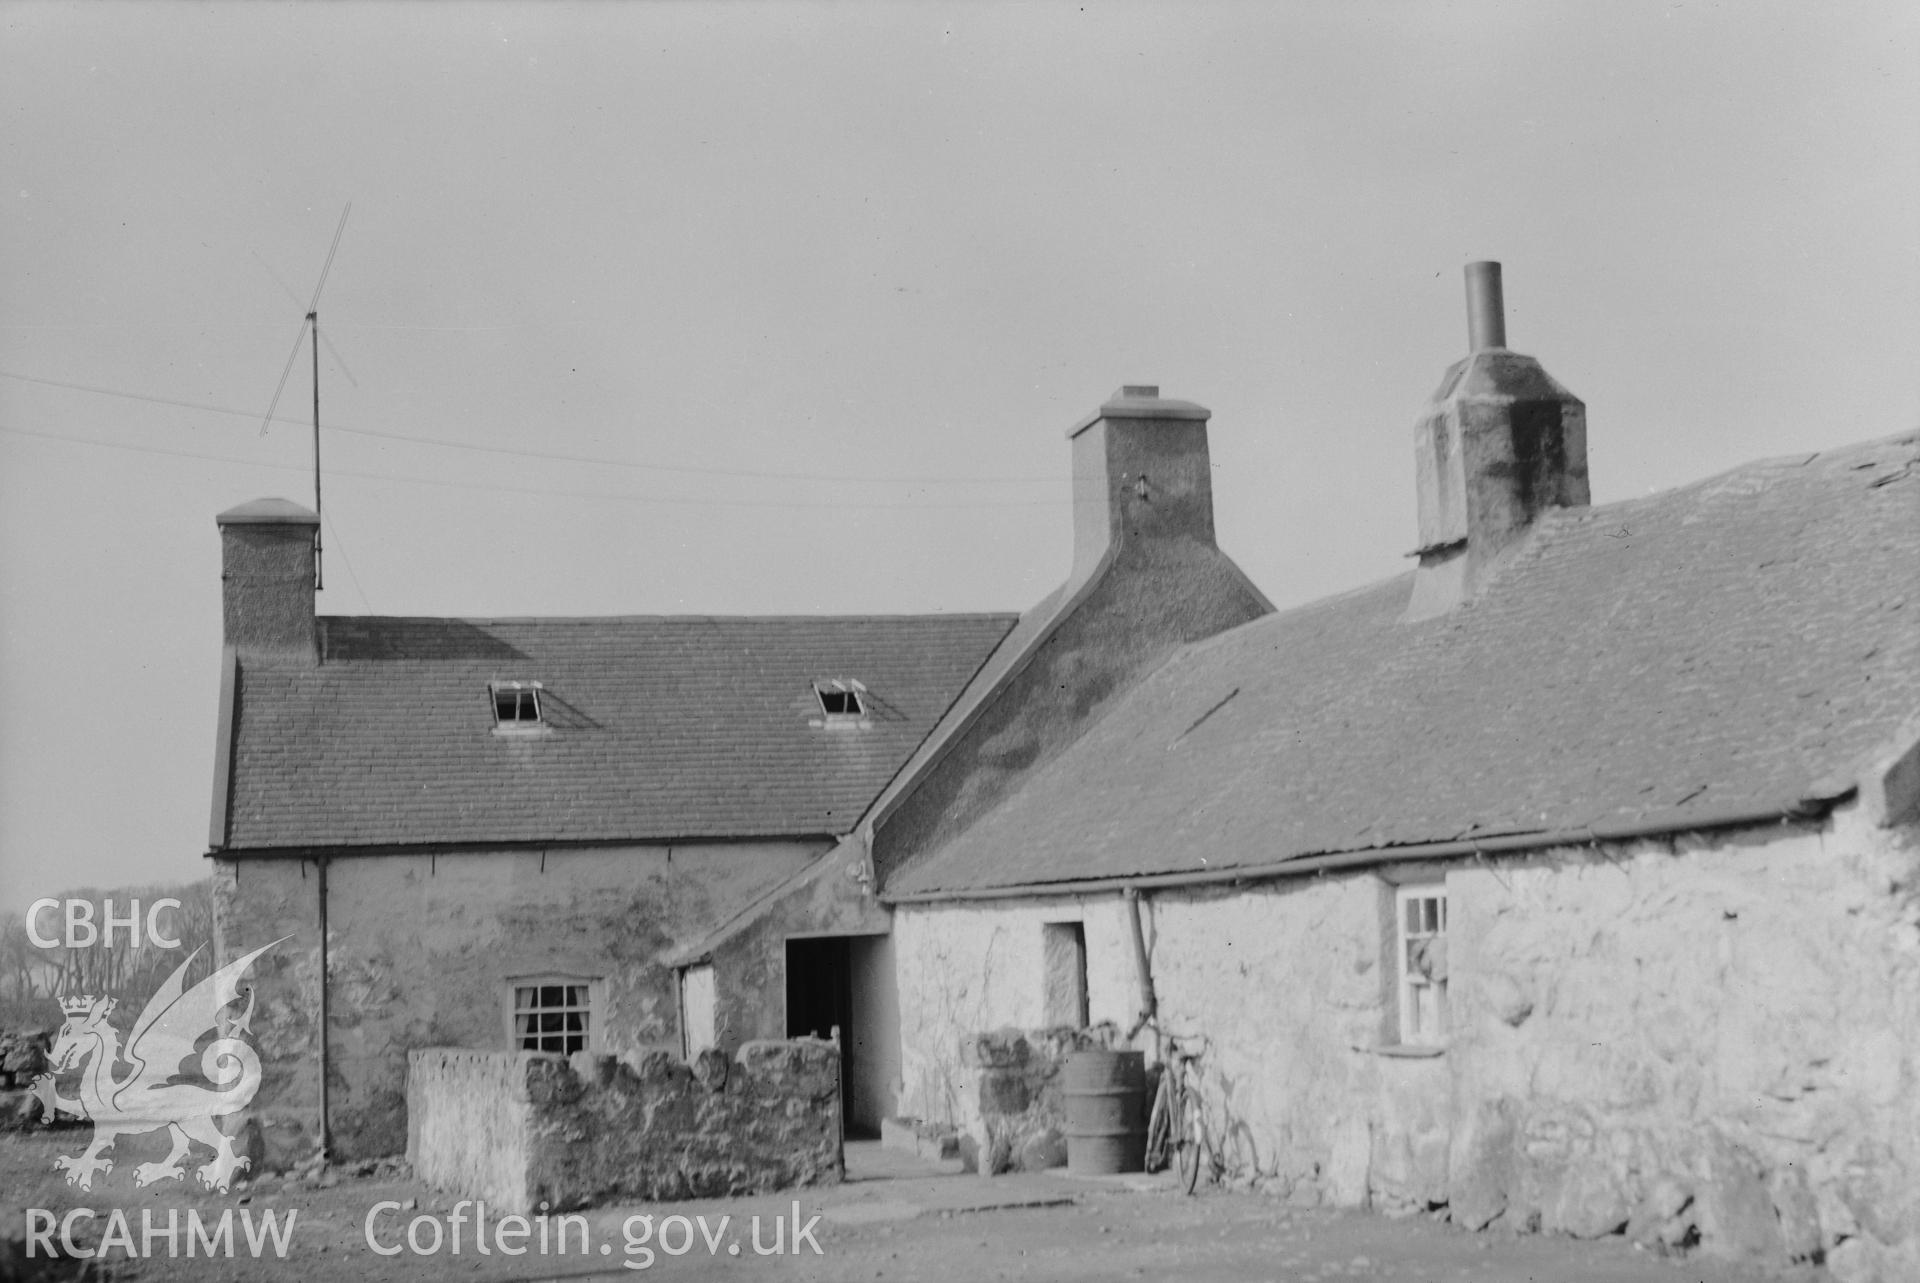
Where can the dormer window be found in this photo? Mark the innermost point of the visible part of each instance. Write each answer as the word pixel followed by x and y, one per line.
pixel 516 706
pixel 842 701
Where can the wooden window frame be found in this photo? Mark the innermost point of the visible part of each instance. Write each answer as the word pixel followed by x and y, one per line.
pixel 1420 964
pixel 590 1010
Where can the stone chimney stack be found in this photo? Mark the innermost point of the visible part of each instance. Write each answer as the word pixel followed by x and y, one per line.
pixel 1140 473
pixel 266 571
pixel 1500 444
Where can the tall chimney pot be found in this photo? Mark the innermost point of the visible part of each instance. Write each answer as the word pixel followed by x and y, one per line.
pixel 1486 309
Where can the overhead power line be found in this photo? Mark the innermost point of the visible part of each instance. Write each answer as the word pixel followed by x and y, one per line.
pixel 677 501
pixel 839 478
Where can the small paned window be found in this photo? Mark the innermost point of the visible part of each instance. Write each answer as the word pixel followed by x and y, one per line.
pixel 1420 915
pixel 516 705
pixel 552 1016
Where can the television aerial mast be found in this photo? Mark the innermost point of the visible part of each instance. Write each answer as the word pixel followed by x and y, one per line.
pixel 310 327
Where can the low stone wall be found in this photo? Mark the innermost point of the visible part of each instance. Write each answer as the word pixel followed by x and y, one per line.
pixel 522 1128
pixel 1023 1111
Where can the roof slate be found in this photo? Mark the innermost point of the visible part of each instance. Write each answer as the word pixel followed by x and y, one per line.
pixel 659 728
pixel 1713 649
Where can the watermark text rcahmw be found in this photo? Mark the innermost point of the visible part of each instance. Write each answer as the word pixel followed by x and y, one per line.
pixel 194 1237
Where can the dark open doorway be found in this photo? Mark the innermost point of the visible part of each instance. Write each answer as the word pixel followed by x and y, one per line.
pixel 819 987
pixel 846 983
pixel 820 1000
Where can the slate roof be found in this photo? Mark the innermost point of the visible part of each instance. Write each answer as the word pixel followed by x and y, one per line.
pixel 1717 649
pixel 660 728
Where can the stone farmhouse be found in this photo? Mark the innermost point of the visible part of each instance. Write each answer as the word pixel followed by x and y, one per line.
pixel 1570 880
pixel 505 831
pixel 496 826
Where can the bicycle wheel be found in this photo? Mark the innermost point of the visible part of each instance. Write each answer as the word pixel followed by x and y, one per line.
pixel 1191 1145
pixel 1160 1138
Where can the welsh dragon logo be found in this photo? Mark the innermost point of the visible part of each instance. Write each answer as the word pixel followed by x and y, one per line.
pixel 151 1094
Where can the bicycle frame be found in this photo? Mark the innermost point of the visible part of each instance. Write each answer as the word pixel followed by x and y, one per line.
pixel 1177 1131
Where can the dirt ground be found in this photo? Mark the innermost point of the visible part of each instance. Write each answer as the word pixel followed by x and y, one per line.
pixel 895 1219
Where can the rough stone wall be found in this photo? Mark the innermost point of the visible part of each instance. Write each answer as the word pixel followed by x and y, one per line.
pixel 423 949
pixel 1023 1108
pixel 1286 981
pixel 1721 1042
pixel 520 1128
pixel 1714 1042
pixel 252 906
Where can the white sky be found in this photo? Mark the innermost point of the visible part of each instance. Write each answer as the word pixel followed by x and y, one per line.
pixel 864 243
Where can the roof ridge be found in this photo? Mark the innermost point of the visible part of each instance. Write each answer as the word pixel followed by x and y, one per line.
pixel 958 615
pixel 1771 463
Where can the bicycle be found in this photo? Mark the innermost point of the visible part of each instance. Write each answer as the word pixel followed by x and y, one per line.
pixel 1177 1132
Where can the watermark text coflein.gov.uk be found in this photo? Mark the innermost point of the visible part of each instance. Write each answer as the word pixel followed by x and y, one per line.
pixel 467 1228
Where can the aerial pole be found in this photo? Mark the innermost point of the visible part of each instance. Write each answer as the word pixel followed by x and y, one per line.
pixel 313 325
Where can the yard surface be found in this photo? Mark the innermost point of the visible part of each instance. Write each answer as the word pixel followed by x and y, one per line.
pixel 897 1219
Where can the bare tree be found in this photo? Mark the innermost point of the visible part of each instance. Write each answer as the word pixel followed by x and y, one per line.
pixel 130 972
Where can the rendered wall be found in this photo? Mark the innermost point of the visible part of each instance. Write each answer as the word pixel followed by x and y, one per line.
pixel 1714 1042
pixel 470 1123
pixel 520 1128
pixel 750 966
pixel 423 950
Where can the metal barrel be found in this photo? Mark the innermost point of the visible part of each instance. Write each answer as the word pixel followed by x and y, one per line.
pixel 1106 1099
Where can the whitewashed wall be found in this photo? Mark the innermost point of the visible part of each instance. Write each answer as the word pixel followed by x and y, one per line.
pixel 1717 1038
pixel 963 970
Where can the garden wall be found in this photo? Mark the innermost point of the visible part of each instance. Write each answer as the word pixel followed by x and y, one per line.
pixel 521 1128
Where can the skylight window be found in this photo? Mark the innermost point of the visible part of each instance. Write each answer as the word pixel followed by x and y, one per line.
pixel 516 705
pixel 838 703
pixel 842 699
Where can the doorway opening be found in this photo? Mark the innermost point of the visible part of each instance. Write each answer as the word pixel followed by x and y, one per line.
pixel 846 984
